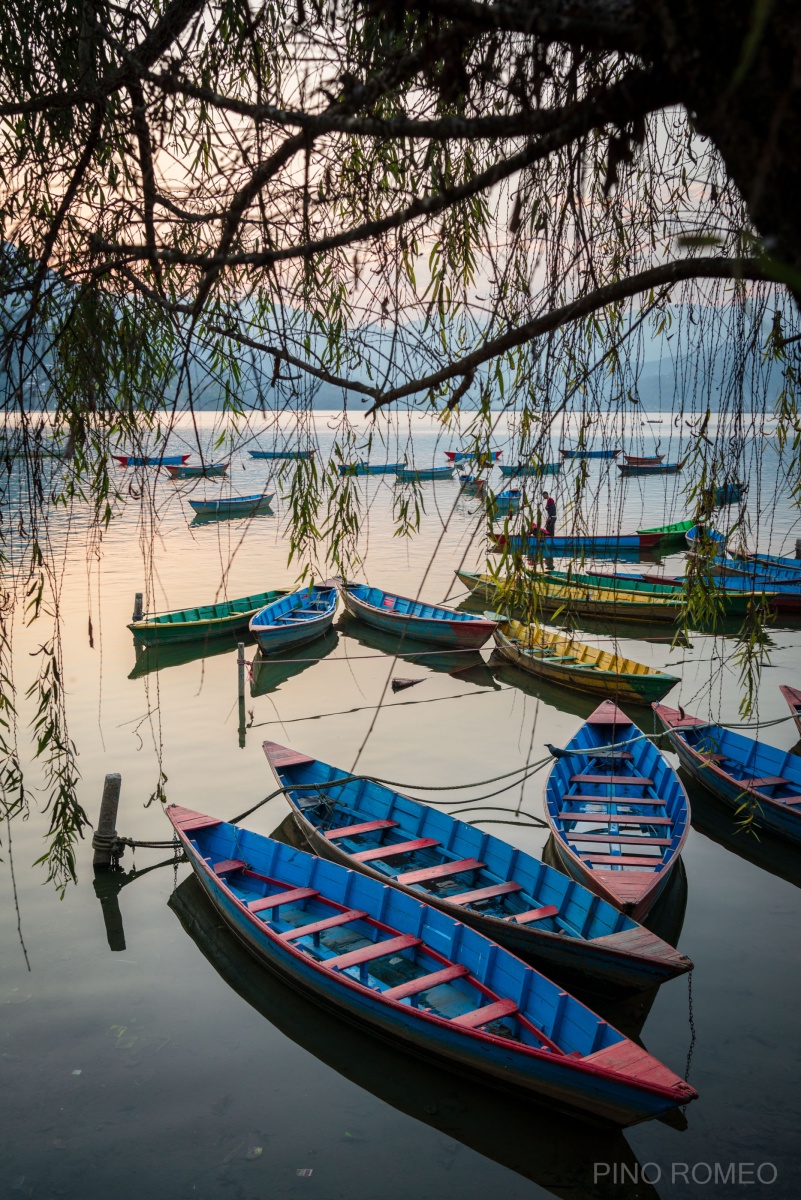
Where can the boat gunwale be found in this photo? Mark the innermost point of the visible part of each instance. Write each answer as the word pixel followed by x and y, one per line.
pixel 462 618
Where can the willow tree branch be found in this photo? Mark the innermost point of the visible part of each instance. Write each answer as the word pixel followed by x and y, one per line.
pixel 595 24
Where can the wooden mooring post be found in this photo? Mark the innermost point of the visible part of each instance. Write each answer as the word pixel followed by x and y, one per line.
pixel 240 683
pixel 106 833
pixel 138 611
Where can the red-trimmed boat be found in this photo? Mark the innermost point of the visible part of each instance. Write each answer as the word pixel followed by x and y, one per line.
pixel 793 697
pixel 151 460
pixel 420 978
pixel 634 460
pixel 617 810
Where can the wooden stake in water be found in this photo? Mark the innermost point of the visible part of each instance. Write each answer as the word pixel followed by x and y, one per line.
pixel 240 668
pixel 138 611
pixel 106 831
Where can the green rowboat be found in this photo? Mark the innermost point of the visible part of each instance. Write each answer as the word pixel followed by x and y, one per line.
pixel 671 534
pixel 200 624
pixel 734 604
pixel 582 601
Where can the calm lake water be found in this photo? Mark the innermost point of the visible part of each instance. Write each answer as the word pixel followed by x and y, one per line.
pixel 145 1055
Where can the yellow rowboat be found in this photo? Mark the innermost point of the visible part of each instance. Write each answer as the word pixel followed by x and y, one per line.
pixel 562 659
pixel 581 600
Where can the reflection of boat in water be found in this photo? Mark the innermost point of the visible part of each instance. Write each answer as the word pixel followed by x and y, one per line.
pixel 718 822
pixel 461 664
pixel 268 673
pixel 526 1137
pixel 162 655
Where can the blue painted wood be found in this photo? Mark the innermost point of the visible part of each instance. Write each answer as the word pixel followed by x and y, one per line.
pixel 366 468
pixel 435 624
pixel 151 460
pixel 543 1041
pixel 231 505
pixel 568 453
pixel 484 458
pixel 535 469
pixel 294 619
pixel 586 936
pixel 653 806
pixel 275 455
pixel 729 493
pixel 411 475
pixel 775 562
pixel 570 545
pixel 730 765
pixel 711 535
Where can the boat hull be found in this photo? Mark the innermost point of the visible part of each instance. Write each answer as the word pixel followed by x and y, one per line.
pixel 627 469
pixel 793 697
pixel 530 469
pixel 280 455
pixel 432 473
pixel 589 453
pixel 151 460
pixel 211 470
pixel 277 631
pixel 549 546
pixel 185 628
pixel 231 508
pixel 370 468
pixel 454 634
pixel 587 602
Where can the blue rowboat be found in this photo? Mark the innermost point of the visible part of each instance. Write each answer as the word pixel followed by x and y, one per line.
pixel 231 506
pixel 618 813
pixel 507 501
pixel 472 485
pixel 728 493
pixel 535 469
pixel 510 896
pixel 773 562
pixel 151 460
pixel 542 544
pixel 294 619
pixel 753 778
pixel 418 977
pixel 566 452
pixel 700 534
pixel 366 468
pixel 196 471
pixel 274 455
pixel 627 469
pixel 752 569
pixel 485 459
pixel 410 475
pixel 414 620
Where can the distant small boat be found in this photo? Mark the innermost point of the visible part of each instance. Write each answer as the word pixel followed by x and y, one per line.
pixel 751 777
pixel 274 455
pixel 202 469
pixel 473 485
pixel 411 475
pixel 542 543
pixel 418 977
pixel 670 534
pixel 232 506
pixel 151 460
pixel 296 618
pixel 562 659
pixel 530 469
pixel 728 493
pixel 483 458
pixel 435 624
pixel 634 460
pixel 660 468
pixel 566 452
pixel 204 622
pixel 617 810
pixel 511 896
pixel 366 468
pixel 507 501
pixel 793 697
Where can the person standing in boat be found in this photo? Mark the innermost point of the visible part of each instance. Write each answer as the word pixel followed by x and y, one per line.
pixel 550 515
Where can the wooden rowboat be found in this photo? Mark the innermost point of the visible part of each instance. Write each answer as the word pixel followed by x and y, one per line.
pixel 151 460
pixel 580 600
pixel 658 468
pixel 478 456
pixel 568 453
pixel 508 895
pixel 772 561
pixel 366 468
pixel 535 469
pixel 670 534
pixel 728 493
pixel 704 536
pixel 418 977
pixel 436 624
pixel 552 655
pixel 473 485
pixel 276 455
pixel 410 475
pixel 192 471
pixel 543 544
pixel 204 622
pixel 793 697
pixel 232 506
pixel 734 603
pixel 294 619
pixel 617 810
pixel 753 778
pixel 634 460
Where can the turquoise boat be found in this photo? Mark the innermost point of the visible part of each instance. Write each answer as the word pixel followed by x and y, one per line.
pixel 366 468
pixel 411 475
pixel 419 978
pixel 295 619
pixel 232 506
pixel 277 455
pixel 202 623
pixel 530 469
pixel 192 471
pixel 435 624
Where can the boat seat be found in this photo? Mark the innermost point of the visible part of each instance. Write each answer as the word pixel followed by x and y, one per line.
pixel 487 893
pixel 612 818
pixel 340 918
pixel 534 914
pixel 767 781
pixel 356 958
pixel 273 902
pixel 365 827
pixel 624 860
pixel 624 780
pixel 624 839
pixel 482 1016
pixel 230 864
pixel 580 797
pixel 424 982
pixel 441 872
pixel 392 851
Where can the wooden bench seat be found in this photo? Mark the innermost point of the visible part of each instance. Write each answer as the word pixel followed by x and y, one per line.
pixel 625 780
pixel 341 918
pixel 580 798
pixel 422 984
pixel 534 914
pixel 441 872
pixel 567 814
pixel 394 850
pixel 482 1016
pixel 486 893
pixel 296 894
pixel 764 781
pixel 624 860
pixel 625 839
pixel 230 864
pixel 356 958
pixel 364 827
